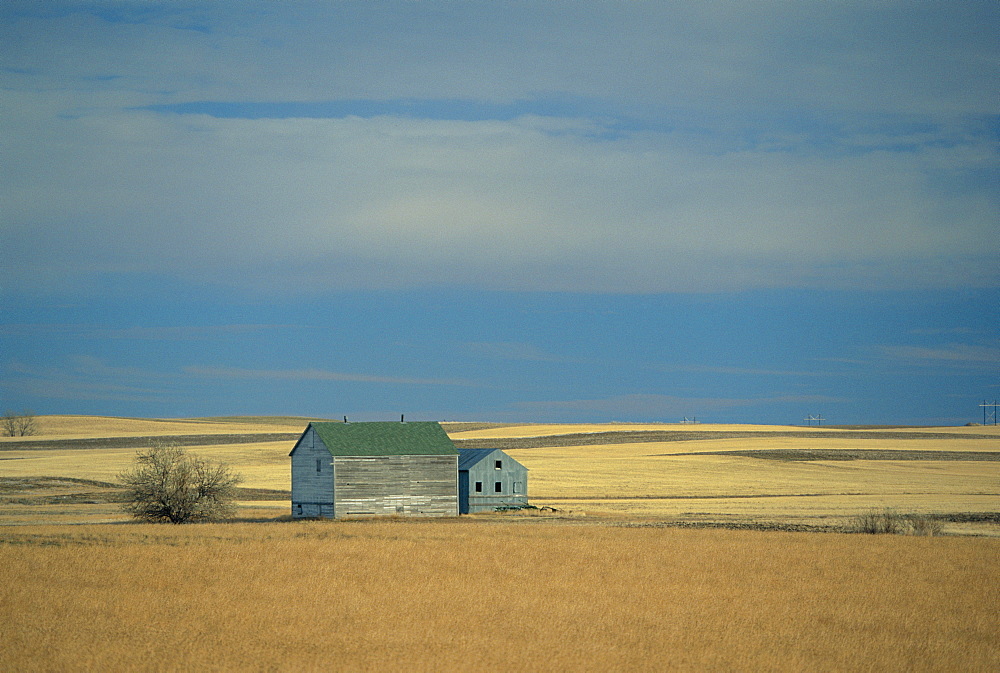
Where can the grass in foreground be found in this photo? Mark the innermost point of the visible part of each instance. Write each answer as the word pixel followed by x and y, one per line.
pixel 461 595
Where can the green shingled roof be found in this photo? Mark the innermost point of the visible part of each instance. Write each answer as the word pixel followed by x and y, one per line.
pixel 385 439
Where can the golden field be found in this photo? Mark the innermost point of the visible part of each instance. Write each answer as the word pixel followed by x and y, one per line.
pixel 642 480
pixel 608 582
pixel 65 427
pixel 668 480
pixel 479 594
pixel 550 429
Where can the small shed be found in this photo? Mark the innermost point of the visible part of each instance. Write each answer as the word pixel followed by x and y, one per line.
pixel 489 478
pixel 345 469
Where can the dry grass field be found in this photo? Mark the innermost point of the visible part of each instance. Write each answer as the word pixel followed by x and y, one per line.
pixel 480 594
pixel 66 427
pixel 784 475
pixel 692 474
pixel 630 573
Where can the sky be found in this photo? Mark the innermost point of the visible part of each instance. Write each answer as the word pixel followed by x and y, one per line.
pixel 748 212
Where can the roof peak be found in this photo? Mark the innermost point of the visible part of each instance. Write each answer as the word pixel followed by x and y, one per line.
pixel 401 422
pixel 384 438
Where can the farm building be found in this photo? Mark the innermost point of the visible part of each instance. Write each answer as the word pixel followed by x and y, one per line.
pixel 488 479
pixel 344 469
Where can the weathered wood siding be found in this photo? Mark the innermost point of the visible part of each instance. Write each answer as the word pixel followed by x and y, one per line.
pixel 385 485
pixel 312 478
pixel 512 477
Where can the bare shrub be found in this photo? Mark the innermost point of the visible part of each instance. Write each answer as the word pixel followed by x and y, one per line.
pixel 888 521
pixel 878 522
pixel 921 524
pixel 165 484
pixel 19 424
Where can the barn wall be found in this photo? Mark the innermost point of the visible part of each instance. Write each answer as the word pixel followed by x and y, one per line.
pixel 312 490
pixel 485 471
pixel 386 485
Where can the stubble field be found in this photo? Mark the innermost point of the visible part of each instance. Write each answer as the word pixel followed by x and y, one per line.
pixel 783 476
pixel 615 579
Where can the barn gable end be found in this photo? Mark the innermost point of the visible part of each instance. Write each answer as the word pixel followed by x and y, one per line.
pixel 312 477
pixel 488 479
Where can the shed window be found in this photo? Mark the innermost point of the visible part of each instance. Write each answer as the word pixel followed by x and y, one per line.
pixel 498 487
pixel 479 487
pixel 499 465
pixel 319 464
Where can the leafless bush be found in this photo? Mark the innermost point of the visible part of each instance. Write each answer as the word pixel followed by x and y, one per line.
pixel 888 521
pixel 921 524
pixel 877 522
pixel 165 484
pixel 19 424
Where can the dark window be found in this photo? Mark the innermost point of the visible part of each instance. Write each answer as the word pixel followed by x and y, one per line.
pixel 319 464
pixel 479 487
pixel 499 465
pixel 498 487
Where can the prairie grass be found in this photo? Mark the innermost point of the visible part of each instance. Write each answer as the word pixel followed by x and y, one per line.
pixel 645 480
pixel 463 595
pixel 263 464
pixel 607 471
pixel 545 429
pixel 616 479
pixel 833 511
pixel 608 591
pixel 60 427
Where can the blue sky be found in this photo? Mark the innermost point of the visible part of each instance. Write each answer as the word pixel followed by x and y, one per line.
pixel 512 211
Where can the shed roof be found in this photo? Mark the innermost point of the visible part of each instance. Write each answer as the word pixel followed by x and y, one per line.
pixel 385 439
pixel 469 457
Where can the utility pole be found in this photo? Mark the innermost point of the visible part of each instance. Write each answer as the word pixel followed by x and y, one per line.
pixel 992 414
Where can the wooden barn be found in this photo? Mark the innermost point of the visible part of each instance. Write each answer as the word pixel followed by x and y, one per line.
pixel 345 469
pixel 488 479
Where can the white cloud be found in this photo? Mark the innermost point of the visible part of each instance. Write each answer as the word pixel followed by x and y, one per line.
pixel 383 202
pixel 955 353
pixel 707 187
pixel 886 56
pixel 87 378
